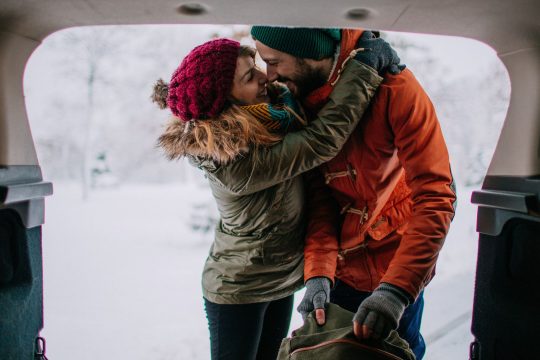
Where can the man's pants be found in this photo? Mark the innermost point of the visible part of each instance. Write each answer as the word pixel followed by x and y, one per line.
pixel 409 325
pixel 248 331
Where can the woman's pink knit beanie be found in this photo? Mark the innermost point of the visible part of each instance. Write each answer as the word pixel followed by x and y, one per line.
pixel 200 86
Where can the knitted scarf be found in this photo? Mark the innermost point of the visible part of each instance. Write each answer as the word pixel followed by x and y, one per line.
pixel 283 116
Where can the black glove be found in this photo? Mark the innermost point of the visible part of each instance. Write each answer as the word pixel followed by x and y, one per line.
pixel 378 54
pixel 316 297
pixel 382 310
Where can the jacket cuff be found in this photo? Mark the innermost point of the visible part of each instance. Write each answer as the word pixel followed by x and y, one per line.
pixel 325 269
pixel 397 291
pixel 406 280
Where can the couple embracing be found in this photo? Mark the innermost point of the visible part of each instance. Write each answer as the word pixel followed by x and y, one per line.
pixel 329 170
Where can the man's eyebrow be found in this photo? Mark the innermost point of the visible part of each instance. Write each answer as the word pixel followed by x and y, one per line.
pixel 268 59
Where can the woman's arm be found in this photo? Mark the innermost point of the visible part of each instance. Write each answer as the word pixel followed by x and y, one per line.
pixel 303 150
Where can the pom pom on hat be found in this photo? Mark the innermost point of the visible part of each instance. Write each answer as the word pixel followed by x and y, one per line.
pixel 160 93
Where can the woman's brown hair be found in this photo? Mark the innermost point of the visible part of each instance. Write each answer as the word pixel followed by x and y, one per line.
pixel 240 128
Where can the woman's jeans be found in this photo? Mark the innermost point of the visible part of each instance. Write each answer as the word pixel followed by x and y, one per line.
pixel 248 331
pixel 409 325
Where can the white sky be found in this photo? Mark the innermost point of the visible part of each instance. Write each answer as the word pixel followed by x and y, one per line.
pixel 466 56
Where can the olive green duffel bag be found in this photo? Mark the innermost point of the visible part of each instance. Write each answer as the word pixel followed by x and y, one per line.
pixel 335 340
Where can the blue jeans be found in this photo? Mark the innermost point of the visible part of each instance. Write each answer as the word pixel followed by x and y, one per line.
pixel 409 325
pixel 248 331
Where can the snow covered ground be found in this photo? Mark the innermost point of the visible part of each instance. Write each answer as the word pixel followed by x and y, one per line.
pixel 122 276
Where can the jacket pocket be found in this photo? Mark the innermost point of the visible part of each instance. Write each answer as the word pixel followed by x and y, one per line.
pixel 390 219
pixel 237 249
pixel 281 248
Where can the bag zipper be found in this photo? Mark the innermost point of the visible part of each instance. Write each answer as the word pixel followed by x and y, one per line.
pixel 350 342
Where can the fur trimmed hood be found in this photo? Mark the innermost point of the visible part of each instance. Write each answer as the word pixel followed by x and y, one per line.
pixel 214 140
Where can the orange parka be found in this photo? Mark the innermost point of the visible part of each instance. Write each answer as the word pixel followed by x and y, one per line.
pixel 380 210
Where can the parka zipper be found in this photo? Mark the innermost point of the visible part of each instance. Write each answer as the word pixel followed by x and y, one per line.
pixel 349 342
pixel 351 173
pixel 366 264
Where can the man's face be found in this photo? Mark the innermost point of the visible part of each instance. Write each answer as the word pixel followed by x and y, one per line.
pixel 300 75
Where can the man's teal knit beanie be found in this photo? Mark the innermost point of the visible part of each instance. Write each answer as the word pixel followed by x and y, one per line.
pixel 310 43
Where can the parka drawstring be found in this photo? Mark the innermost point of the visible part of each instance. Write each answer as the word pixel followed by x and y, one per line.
pixel 352 54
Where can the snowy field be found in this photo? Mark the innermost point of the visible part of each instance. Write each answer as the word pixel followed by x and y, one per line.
pixel 122 276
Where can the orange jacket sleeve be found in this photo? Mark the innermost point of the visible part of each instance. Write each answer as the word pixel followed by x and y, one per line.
pixel 321 247
pixel 423 154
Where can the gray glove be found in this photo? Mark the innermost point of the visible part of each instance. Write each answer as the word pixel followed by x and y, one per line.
pixel 382 310
pixel 316 297
pixel 379 55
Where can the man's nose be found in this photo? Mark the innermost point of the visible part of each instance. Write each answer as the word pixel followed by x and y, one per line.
pixel 263 79
pixel 271 73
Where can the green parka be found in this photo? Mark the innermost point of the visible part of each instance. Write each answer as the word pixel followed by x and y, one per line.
pixel 257 254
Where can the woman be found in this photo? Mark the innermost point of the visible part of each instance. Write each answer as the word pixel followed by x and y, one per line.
pixel 229 124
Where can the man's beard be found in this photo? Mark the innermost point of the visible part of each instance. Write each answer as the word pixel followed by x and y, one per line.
pixel 304 80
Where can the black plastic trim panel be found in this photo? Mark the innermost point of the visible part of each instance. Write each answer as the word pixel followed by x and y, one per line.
pixel 506 197
pixel 22 189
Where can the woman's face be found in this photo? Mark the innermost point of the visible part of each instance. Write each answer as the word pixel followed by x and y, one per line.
pixel 249 84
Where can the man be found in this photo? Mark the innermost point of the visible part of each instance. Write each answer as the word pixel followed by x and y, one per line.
pixel 380 210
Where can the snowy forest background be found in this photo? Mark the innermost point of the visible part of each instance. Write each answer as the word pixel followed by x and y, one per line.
pixel 127 231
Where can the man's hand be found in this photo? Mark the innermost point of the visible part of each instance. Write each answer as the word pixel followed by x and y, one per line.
pixel 316 297
pixel 378 54
pixel 380 312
